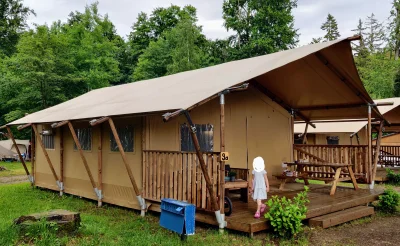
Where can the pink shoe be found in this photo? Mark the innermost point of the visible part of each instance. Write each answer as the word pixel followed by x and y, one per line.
pixel 257 215
pixel 262 209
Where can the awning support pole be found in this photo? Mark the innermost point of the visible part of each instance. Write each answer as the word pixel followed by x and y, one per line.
pixel 221 216
pixel 61 160
pixel 10 134
pixel 40 140
pixel 377 153
pixel 100 166
pixel 369 134
pixel 33 155
pixel 141 200
pixel 79 147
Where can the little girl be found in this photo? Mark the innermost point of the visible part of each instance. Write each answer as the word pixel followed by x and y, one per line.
pixel 260 185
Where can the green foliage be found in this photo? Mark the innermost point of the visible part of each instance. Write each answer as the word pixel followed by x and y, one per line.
pixel 285 215
pixel 378 73
pixel 389 201
pixel 393 178
pixel 331 28
pixel 178 51
pixel 261 27
pixel 13 16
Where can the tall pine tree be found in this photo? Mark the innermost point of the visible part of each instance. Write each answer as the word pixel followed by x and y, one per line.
pixel 374 34
pixel 394 29
pixel 360 49
pixel 331 28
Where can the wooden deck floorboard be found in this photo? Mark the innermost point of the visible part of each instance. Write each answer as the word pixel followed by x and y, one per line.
pixel 321 203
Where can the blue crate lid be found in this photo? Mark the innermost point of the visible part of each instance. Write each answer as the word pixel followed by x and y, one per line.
pixel 176 202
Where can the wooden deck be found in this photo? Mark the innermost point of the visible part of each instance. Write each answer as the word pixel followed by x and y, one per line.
pixel 321 203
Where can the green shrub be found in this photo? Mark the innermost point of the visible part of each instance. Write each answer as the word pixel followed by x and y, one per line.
pixel 389 201
pixel 393 178
pixel 285 215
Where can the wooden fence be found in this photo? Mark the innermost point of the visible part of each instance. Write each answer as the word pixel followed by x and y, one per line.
pixel 389 156
pixel 178 175
pixel 352 154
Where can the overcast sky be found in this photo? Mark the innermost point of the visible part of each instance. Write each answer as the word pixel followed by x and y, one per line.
pixel 309 15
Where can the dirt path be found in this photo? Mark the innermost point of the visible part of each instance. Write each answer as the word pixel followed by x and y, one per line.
pixel 13 179
pixel 375 231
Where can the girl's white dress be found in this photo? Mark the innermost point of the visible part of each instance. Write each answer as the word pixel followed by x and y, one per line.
pixel 259 188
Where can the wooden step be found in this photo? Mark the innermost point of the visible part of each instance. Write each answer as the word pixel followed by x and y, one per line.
pixel 341 217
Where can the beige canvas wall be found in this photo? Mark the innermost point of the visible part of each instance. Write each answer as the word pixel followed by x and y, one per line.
pixel 254 126
pixel 117 188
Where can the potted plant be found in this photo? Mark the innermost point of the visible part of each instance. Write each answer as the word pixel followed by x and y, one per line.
pixel 232 175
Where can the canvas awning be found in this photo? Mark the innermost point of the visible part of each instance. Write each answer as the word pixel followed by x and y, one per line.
pixel 5 152
pixel 391 113
pixel 331 127
pixel 306 79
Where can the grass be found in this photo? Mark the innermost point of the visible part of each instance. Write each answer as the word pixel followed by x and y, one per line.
pixel 109 225
pixel 14 168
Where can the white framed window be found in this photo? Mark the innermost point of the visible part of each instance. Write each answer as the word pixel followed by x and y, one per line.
pixel 48 141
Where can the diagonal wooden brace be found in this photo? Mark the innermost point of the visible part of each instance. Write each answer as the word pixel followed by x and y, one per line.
pixel 79 147
pixel 59 184
pixel 11 136
pixel 141 201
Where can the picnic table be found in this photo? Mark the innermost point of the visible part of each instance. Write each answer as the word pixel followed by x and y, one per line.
pixel 306 175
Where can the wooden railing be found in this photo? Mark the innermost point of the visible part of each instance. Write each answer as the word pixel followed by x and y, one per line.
pixel 351 154
pixel 178 175
pixel 389 156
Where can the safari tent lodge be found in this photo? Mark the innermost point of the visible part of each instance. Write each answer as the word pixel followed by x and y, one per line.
pixel 132 145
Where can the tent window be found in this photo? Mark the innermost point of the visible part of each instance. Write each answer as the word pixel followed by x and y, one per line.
pixel 126 135
pixel 332 140
pixel 205 135
pixel 84 137
pixel 48 141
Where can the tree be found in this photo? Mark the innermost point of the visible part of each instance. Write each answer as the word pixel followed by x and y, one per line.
pixel 186 54
pixel 147 29
pixel 262 27
pixel 374 34
pixel 13 16
pixel 360 49
pixel 331 28
pixel 316 40
pixel 394 29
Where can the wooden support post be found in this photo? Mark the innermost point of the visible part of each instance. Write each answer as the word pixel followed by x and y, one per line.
pixel 100 166
pixel 335 181
pixel 33 155
pixel 222 163
pixel 61 160
pixel 369 134
pixel 10 134
pixel 46 155
pixel 377 151
pixel 78 146
pixel 128 168
pixel 305 134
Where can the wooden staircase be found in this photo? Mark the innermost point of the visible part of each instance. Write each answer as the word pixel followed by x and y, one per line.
pixel 341 217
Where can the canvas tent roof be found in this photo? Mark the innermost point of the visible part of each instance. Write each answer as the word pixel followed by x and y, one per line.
pixel 331 127
pixel 5 152
pixel 8 144
pixel 312 75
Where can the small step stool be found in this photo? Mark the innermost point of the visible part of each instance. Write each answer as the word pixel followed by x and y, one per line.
pixel 341 217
